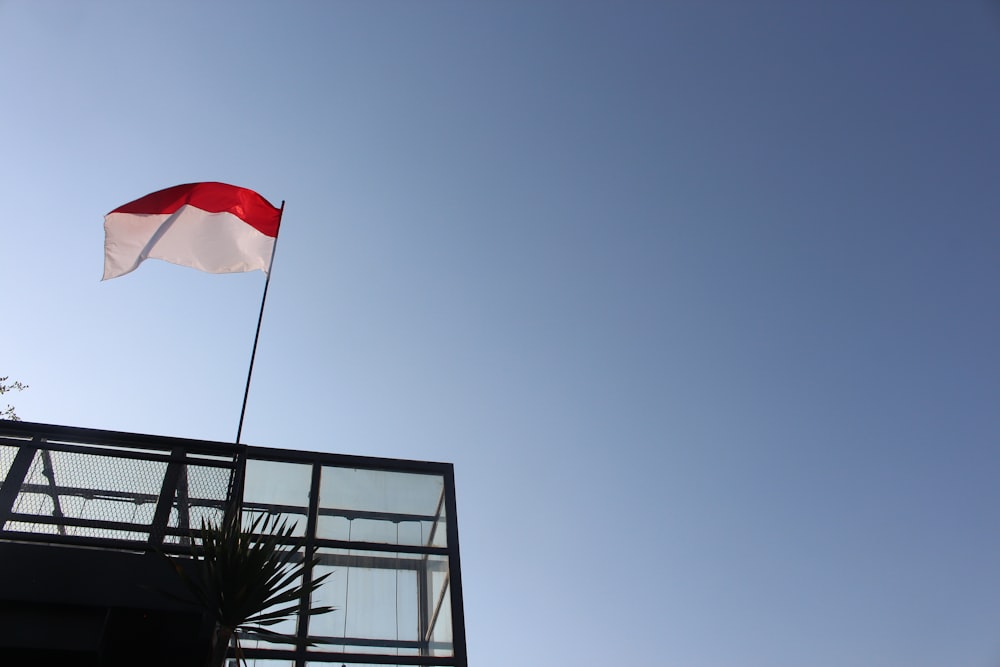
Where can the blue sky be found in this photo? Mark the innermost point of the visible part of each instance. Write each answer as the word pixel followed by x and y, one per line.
pixel 699 297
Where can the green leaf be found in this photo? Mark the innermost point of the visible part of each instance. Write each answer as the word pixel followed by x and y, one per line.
pixel 248 575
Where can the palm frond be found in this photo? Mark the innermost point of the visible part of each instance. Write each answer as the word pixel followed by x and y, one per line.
pixel 251 576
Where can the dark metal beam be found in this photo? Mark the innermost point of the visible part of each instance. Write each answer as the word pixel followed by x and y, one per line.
pixel 168 492
pixel 15 479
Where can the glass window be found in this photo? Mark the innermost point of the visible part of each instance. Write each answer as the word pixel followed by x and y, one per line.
pixel 278 488
pixel 385 603
pixel 360 505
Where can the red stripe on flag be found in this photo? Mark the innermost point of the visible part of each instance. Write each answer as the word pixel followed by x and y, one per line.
pixel 245 204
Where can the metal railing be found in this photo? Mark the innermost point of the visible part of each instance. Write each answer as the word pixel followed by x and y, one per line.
pixel 99 488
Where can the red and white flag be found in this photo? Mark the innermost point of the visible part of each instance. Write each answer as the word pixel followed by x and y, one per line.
pixel 211 227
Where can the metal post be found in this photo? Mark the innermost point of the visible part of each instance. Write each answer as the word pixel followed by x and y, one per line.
pixel 260 318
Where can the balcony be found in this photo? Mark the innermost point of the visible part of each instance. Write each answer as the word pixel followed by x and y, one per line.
pixel 86 516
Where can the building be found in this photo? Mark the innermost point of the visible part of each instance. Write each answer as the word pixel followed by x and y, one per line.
pixel 87 518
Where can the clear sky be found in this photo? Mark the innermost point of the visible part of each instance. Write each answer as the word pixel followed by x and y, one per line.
pixel 700 297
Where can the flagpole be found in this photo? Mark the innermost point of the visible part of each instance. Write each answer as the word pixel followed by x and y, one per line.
pixel 235 504
pixel 260 318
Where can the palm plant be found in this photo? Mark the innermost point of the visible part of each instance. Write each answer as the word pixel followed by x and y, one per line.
pixel 250 581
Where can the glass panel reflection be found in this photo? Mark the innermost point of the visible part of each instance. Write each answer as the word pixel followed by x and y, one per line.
pixel 386 603
pixel 278 488
pixel 359 505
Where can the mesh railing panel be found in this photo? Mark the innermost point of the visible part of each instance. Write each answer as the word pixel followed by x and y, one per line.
pixel 7 454
pixel 108 495
pixel 72 485
pixel 201 496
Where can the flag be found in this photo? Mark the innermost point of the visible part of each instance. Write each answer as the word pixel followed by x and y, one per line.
pixel 211 227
